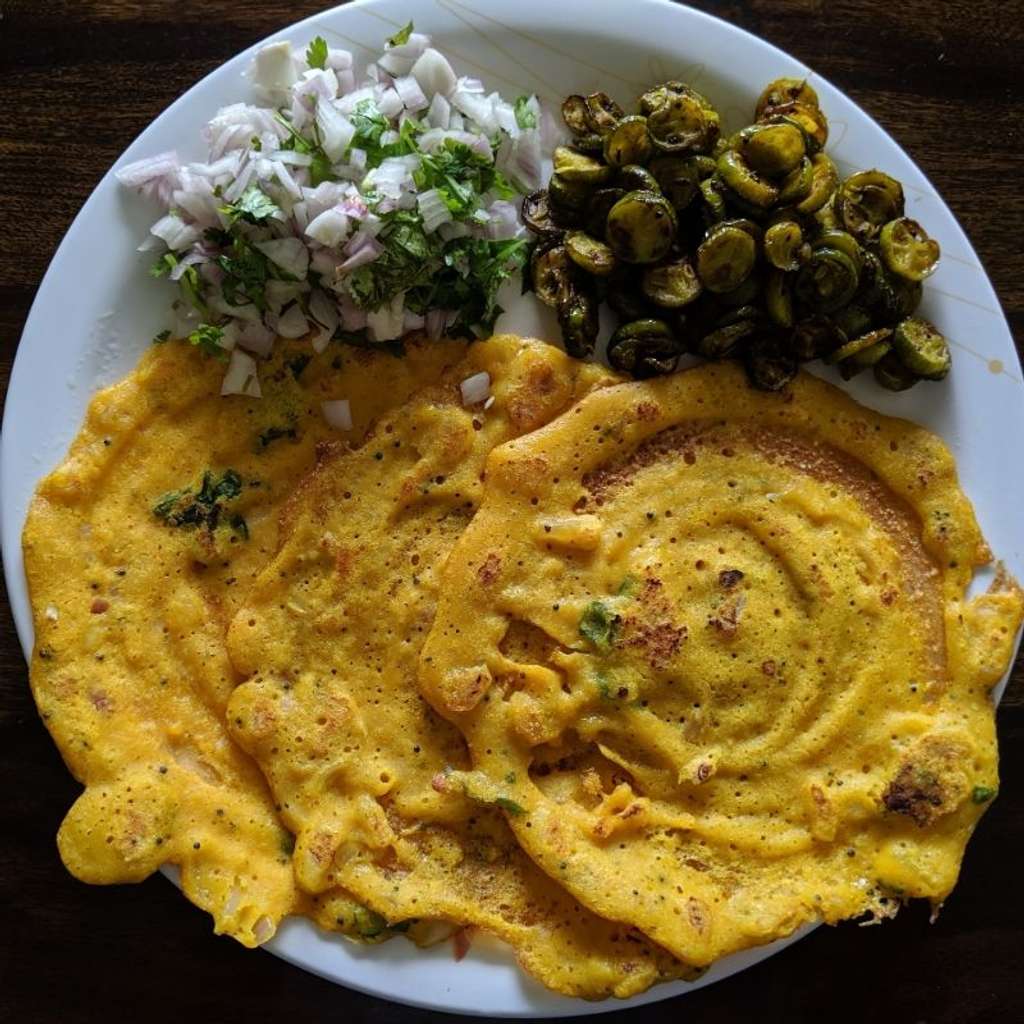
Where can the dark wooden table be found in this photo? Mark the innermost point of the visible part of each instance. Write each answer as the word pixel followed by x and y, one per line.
pixel 78 80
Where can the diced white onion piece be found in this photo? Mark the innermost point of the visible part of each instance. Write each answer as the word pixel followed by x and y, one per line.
pixel 242 377
pixel 190 259
pixel 385 324
pixel 467 84
pixel 412 321
pixel 439 112
pixel 361 249
pixel 476 108
pixel 339 60
pixel 290 254
pixel 331 228
pixel 280 293
pixel 411 94
pixel 352 317
pixel 336 130
pixel 325 313
pixel 489 403
pixel 254 337
pixel 476 389
pixel 505 116
pixel 140 172
pixel 433 209
pixel 352 99
pixel 52 613
pixel 338 413
pixel 175 232
pixel 293 323
pixel 346 81
pixel 289 156
pixel 434 73
pixel 456 229
pixel 390 104
pixel 247 311
pixel 273 71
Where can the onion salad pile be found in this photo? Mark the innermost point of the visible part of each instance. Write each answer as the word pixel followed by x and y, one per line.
pixel 345 211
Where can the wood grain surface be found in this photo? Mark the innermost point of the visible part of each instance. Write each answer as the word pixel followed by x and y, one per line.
pixel 79 79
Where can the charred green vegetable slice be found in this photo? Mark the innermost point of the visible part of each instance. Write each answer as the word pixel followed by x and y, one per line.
pixel 644 348
pixel 551 272
pixel 745 181
pixel 784 244
pixel 603 113
pixel 593 256
pixel 892 375
pixel 853 320
pixel 866 201
pixel 827 281
pixel 678 179
pixel 772 149
pixel 832 238
pixel 683 122
pixel 574 114
pixel 598 207
pixel 672 285
pixel 778 297
pixel 808 118
pixel 815 337
pixel 641 227
pixel 824 181
pixel 769 366
pixel 785 90
pixel 723 341
pixel 629 142
pixel 624 295
pixel 922 349
pixel 537 215
pixel 577 316
pixel 907 250
pixel 858 345
pixel 567 198
pixel 633 177
pixel 726 257
pixel 713 210
pixel 796 185
pixel 580 168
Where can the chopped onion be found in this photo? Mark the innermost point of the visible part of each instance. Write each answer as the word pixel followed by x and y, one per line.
pixel 434 73
pixel 256 338
pixel 331 228
pixel 476 389
pixel 242 377
pixel 385 324
pixel 435 322
pixel 390 104
pixel 336 130
pixel 433 209
pixel 140 173
pixel 325 312
pixel 338 413
pixel 361 249
pixel 339 60
pixel 412 321
pixel 175 232
pixel 477 109
pixel 439 112
pixel 273 71
pixel 290 254
pixel 411 94
pixel 293 323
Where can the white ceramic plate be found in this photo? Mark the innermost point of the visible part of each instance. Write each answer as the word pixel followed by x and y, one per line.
pixel 96 310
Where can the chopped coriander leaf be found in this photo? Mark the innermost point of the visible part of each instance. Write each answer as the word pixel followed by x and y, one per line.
pixel 316 53
pixel 320 169
pixel 461 176
pixel 525 117
pixel 164 265
pixel 982 794
pixel 240 526
pixel 246 271
pixel 408 261
pixel 369 923
pixel 162 337
pixel 401 37
pixel 207 338
pixel 599 625
pixel 509 805
pixel 192 289
pixel 254 207
pixel 203 509
pixel 272 434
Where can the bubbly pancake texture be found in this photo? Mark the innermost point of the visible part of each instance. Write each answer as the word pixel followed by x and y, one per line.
pixel 330 637
pixel 137 549
pixel 714 647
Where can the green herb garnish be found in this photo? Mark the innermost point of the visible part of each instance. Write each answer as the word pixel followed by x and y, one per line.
pixel 509 805
pixel 982 794
pixel 162 337
pixel 316 53
pixel 599 625
pixel 202 509
pixel 207 338
pixel 525 117
pixel 401 37
pixel 254 207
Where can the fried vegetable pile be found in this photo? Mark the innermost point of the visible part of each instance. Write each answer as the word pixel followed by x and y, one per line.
pixel 747 246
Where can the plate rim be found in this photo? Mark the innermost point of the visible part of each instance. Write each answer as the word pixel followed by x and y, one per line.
pixel 11 526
